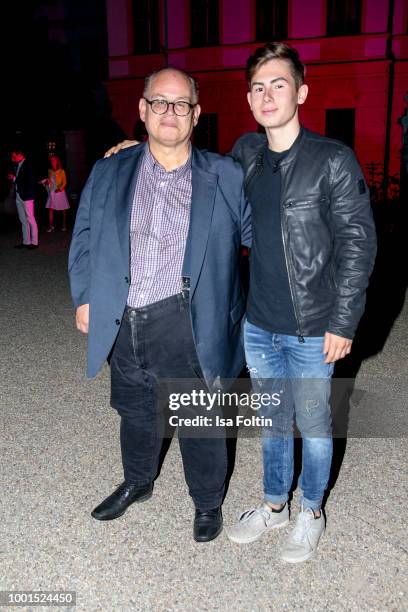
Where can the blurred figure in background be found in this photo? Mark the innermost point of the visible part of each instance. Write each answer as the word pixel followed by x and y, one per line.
pixel 57 197
pixel 25 185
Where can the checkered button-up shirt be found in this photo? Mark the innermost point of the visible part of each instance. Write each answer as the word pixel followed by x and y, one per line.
pixel 158 231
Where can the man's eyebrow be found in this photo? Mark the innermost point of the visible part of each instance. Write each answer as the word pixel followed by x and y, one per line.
pixel 271 82
pixel 164 97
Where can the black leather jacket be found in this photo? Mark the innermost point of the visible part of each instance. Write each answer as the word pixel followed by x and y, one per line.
pixel 327 229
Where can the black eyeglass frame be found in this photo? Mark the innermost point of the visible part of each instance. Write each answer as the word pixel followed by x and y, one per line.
pixel 173 104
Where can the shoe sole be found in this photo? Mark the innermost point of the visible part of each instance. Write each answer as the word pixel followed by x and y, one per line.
pixel 112 518
pixel 209 539
pixel 305 557
pixel 255 538
pixel 301 560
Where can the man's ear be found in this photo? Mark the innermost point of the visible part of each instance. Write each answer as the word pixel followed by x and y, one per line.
pixel 142 109
pixel 249 99
pixel 196 114
pixel 302 93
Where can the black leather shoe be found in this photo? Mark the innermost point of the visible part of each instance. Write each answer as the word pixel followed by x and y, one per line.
pixel 20 246
pixel 116 504
pixel 207 524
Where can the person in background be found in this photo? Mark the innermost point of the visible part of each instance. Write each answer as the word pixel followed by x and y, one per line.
pixel 24 181
pixel 57 197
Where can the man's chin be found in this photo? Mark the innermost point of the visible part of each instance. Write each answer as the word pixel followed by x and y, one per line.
pixel 272 124
pixel 168 133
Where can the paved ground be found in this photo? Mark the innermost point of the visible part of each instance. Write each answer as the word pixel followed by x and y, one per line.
pixel 60 457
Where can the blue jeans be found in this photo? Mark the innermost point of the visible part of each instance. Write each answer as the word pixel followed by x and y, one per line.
pixel 280 364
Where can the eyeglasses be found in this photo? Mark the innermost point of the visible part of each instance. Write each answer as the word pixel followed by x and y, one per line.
pixel 180 108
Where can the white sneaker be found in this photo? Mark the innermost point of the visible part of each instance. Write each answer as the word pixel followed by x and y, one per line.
pixel 252 523
pixel 303 540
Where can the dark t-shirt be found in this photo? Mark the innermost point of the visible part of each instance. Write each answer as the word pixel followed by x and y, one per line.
pixel 270 305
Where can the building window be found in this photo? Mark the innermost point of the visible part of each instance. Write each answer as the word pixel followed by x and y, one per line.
pixel 206 132
pixel 340 124
pixel 204 18
pixel 271 20
pixel 343 17
pixel 146 26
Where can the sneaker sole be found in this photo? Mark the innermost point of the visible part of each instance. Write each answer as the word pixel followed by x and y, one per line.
pixel 300 560
pixel 305 557
pixel 254 538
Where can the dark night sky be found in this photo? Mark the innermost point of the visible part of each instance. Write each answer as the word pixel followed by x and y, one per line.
pixel 49 86
pixel 43 86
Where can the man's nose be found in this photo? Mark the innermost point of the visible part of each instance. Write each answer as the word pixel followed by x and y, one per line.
pixel 170 108
pixel 268 94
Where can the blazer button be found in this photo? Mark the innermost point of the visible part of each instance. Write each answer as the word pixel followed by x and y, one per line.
pixel 117 321
pixel 126 279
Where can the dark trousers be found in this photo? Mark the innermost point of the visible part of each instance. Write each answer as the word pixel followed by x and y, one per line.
pixel 155 344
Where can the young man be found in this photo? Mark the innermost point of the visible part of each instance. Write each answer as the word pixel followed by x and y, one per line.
pixel 154 271
pixel 312 253
pixel 25 185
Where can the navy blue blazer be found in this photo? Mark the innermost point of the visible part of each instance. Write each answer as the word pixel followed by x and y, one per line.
pixel 219 223
pixel 26 182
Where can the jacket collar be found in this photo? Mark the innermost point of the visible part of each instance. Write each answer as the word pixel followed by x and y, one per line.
pixel 204 188
pixel 293 151
pixel 128 161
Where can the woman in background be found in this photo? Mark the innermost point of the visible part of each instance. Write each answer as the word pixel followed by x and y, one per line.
pixel 57 198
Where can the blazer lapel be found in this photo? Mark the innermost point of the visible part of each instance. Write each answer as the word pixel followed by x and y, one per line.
pixel 204 187
pixel 126 178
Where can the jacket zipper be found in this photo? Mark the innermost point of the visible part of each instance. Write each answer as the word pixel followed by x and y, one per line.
pixel 295 307
pixel 256 169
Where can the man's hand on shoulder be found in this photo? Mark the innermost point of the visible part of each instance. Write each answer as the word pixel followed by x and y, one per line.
pixel 335 347
pixel 82 318
pixel 121 145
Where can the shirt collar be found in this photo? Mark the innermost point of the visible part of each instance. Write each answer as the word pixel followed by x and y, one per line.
pixel 156 170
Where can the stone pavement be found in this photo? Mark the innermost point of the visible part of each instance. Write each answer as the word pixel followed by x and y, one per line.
pixel 60 457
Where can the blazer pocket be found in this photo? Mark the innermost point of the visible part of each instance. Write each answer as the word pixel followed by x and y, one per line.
pixel 237 312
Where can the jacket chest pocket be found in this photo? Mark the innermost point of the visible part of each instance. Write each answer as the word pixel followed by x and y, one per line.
pixel 312 202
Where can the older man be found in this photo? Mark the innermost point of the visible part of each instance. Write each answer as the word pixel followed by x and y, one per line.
pixel 154 271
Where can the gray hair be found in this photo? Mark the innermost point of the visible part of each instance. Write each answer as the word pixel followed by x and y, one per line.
pixel 193 83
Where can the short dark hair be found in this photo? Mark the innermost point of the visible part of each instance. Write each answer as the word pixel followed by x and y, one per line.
pixel 194 85
pixel 276 50
pixel 18 149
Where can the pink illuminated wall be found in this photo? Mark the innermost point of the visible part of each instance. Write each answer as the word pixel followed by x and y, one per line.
pixel 237 22
pixel 342 72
